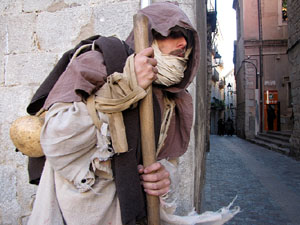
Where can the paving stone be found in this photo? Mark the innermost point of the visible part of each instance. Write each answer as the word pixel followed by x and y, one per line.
pixel 267 183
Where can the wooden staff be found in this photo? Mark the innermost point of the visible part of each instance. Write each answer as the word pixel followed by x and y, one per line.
pixel 146 118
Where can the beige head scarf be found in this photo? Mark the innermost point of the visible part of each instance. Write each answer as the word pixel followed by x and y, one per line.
pixel 170 68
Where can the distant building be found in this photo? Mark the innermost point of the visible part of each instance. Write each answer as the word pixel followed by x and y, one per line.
pixel 217 104
pixel 230 97
pixel 214 67
pixel 261 67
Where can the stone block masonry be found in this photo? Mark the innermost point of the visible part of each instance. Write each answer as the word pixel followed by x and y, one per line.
pixel 294 70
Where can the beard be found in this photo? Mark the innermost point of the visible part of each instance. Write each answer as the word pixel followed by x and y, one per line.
pixel 178 52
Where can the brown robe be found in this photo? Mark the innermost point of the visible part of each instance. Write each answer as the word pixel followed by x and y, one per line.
pixel 87 77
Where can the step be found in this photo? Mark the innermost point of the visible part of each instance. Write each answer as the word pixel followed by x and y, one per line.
pixel 280 133
pixel 271 146
pixel 275 136
pixel 274 141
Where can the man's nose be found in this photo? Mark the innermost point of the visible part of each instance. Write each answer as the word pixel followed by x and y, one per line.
pixel 181 43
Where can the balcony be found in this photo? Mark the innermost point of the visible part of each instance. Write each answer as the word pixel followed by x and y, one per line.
pixel 215 75
pixel 212 14
pixel 221 84
pixel 212 19
pixel 217 104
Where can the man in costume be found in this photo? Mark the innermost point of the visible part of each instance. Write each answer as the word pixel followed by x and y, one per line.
pixel 91 135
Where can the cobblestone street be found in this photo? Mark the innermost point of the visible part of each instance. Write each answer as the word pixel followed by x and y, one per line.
pixel 267 183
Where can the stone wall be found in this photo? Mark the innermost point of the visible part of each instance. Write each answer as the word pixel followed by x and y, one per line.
pixel 33 36
pixel 294 70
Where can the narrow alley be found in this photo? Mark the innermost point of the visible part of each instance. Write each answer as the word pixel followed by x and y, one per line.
pixel 266 183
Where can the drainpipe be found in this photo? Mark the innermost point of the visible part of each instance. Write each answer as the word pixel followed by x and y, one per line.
pixel 201 105
pixel 260 36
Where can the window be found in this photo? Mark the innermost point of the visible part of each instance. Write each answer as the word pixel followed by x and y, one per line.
pixel 284 10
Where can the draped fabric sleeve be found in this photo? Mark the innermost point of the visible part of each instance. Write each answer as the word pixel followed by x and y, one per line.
pixel 75 182
pixel 69 139
pixel 83 76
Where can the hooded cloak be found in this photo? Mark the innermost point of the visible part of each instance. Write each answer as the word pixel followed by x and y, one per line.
pixel 85 78
pixel 163 17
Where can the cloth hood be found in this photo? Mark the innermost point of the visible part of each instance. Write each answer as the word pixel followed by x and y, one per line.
pixel 162 17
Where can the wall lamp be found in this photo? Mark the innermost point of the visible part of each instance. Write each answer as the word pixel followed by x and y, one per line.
pixel 229 88
pixel 217 58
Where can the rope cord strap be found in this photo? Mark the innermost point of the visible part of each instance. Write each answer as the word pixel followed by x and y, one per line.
pixel 81 48
pixel 92 111
pixel 169 106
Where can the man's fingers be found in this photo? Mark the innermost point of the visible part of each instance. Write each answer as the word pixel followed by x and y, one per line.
pixel 154 177
pixel 157 185
pixel 152 61
pixel 140 169
pixel 153 167
pixel 145 70
pixel 157 192
pixel 149 52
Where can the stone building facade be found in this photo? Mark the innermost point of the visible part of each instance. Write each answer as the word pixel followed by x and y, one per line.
pixel 230 97
pixel 33 36
pixel 261 67
pixel 293 7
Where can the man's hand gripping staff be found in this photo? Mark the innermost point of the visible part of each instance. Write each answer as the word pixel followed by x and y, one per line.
pixel 145 67
pixel 155 178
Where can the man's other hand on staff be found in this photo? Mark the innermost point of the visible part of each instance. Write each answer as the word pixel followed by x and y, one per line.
pixel 145 67
pixel 155 179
